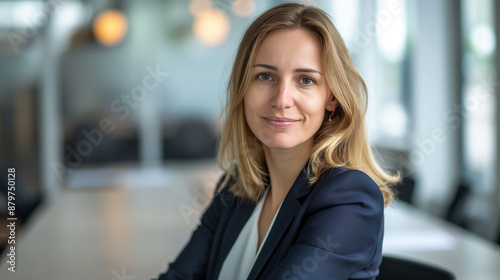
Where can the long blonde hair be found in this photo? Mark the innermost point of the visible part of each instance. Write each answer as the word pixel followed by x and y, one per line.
pixel 340 143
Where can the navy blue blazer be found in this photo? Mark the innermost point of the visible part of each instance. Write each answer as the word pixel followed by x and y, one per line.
pixel 330 230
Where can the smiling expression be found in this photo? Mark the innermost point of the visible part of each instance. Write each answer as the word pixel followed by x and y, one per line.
pixel 288 94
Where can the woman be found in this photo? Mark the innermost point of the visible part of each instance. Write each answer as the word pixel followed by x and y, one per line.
pixel 302 197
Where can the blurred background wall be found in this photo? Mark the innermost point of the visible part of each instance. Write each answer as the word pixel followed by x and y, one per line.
pixel 89 88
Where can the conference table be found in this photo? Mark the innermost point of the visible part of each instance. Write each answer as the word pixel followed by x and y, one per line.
pixel 132 232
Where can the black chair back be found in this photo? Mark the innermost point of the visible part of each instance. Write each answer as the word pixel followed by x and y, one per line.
pixel 457 210
pixel 405 189
pixel 393 268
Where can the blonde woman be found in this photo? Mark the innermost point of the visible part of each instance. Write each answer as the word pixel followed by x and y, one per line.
pixel 302 197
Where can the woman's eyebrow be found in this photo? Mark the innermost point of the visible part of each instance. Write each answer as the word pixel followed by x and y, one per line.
pixel 266 66
pixel 307 70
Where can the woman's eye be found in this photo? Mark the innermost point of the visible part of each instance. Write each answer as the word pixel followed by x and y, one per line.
pixel 265 77
pixel 306 81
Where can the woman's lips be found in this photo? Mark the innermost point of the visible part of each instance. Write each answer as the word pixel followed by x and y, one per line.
pixel 279 122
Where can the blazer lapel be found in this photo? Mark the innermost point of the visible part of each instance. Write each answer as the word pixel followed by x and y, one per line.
pixel 287 212
pixel 242 212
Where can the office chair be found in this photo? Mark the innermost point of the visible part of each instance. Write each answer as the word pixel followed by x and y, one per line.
pixel 393 268
pixel 498 237
pixel 405 189
pixel 457 210
pixel 190 139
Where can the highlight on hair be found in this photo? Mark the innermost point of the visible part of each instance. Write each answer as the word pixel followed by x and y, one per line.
pixel 343 142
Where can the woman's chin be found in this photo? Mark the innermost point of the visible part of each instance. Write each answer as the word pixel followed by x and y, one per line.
pixel 281 145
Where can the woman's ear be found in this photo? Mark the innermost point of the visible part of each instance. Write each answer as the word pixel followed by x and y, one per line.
pixel 332 103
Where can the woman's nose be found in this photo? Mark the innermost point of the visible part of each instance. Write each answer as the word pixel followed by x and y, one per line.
pixel 283 98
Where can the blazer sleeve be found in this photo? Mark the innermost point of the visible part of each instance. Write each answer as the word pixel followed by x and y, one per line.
pixel 341 233
pixel 192 262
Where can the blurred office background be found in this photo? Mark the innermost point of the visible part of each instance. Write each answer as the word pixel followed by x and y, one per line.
pixel 99 93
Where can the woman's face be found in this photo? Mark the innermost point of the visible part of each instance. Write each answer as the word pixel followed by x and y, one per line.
pixel 288 94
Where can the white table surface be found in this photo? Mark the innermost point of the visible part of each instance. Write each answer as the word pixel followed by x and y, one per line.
pixel 132 233
pixel 416 235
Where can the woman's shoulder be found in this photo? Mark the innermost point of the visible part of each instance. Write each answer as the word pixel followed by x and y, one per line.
pixel 222 188
pixel 347 178
pixel 223 193
pixel 342 185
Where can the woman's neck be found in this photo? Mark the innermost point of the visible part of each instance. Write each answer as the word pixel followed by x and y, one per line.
pixel 284 166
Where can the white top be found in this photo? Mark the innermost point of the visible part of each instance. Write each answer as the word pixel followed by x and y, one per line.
pixel 239 261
